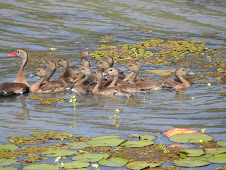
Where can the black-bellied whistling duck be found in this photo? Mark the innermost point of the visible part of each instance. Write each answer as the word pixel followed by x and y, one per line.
pixel 79 86
pixel 111 91
pixel 20 85
pixel 126 88
pixel 84 61
pixel 179 82
pixel 110 60
pixel 59 85
pixel 140 83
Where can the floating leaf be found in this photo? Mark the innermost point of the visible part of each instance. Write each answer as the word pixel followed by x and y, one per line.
pixel 218 159
pixel 161 72
pixel 89 157
pixel 190 163
pixel 179 131
pixel 191 138
pixel 143 137
pixel 193 152
pixel 74 164
pixel 106 142
pixel 141 165
pixel 215 151
pixel 78 145
pixel 5 162
pixel 10 147
pixel 221 143
pixel 40 167
pixel 55 153
pixel 9 168
pixel 115 162
pixel 105 137
pixel 137 143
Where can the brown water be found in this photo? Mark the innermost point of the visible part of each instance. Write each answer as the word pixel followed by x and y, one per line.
pixel 71 26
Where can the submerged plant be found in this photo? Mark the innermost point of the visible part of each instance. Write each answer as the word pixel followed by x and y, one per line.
pixel 115 118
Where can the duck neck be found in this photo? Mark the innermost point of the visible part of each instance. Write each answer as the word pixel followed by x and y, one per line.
pixel 128 77
pixel 114 81
pixel 80 82
pixel 36 86
pixel 65 72
pixel 21 77
pixel 52 71
pixel 133 77
pixel 96 88
pixel 183 81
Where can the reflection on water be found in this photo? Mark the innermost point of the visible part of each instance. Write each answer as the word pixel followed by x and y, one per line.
pixel 71 26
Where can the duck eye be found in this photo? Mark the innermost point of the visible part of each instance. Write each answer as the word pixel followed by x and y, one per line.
pixel 183 69
pixel 18 51
pixel 110 70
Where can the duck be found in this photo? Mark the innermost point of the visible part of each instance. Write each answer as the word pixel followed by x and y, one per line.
pixel 80 86
pixel 179 83
pixel 142 84
pixel 35 88
pixel 59 85
pixel 110 60
pixel 126 88
pixel 84 60
pixel 110 91
pixel 20 85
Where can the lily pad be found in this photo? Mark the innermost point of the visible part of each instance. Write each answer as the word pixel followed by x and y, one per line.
pixel 40 167
pixel 215 151
pixel 218 159
pixel 191 138
pixel 105 137
pixel 77 145
pixel 193 152
pixel 10 147
pixel 90 157
pixel 222 143
pixel 55 153
pixel 9 168
pixel 143 137
pixel 114 162
pixel 74 164
pixel 137 143
pixel 190 163
pixel 141 165
pixel 106 142
pixel 179 131
pixel 161 72
pixel 5 162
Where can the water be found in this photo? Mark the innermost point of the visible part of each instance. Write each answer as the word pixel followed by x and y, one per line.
pixel 71 26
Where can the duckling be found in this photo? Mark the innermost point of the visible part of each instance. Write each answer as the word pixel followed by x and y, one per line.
pixel 179 82
pixel 35 88
pixel 126 88
pixel 111 91
pixel 79 86
pixel 60 85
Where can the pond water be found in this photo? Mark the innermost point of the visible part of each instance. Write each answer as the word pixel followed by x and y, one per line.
pixel 71 26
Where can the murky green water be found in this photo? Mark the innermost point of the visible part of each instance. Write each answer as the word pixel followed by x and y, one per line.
pixel 71 26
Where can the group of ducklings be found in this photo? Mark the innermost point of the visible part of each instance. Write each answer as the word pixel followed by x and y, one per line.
pixel 107 80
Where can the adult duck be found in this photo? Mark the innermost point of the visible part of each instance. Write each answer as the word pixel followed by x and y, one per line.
pixel 178 83
pixel 20 85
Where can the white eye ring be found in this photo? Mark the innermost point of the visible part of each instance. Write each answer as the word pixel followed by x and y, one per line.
pixel 18 51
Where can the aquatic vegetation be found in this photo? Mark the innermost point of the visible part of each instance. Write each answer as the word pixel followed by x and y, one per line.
pixel 112 151
pixel 73 100
pixel 48 100
pixel 115 118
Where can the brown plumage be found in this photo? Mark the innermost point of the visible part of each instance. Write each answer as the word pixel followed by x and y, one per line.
pixel 179 82
pixel 20 85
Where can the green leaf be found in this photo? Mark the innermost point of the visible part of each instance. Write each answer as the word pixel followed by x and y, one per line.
pixel 8 168
pixel 137 143
pixel 89 157
pixel 215 151
pixel 193 152
pixel 75 164
pixel 141 165
pixel 106 142
pixel 5 162
pixel 222 143
pixel 55 153
pixel 105 137
pixel 10 147
pixel 190 163
pixel 77 145
pixel 143 137
pixel 218 159
pixel 115 162
pixel 40 167
pixel 191 138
